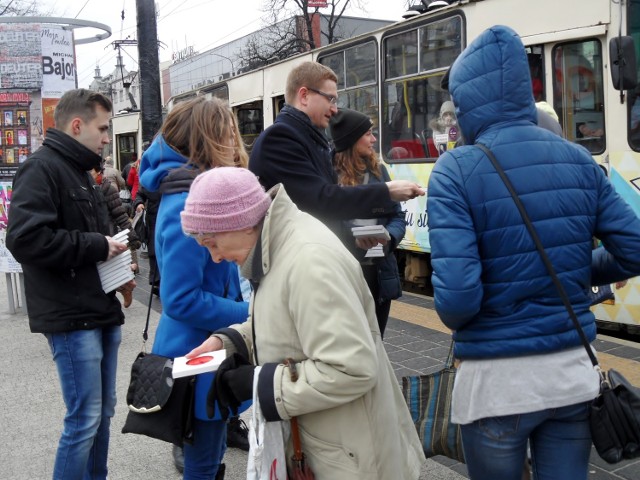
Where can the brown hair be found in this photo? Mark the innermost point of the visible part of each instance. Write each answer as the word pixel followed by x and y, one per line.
pixel 351 166
pixel 199 128
pixel 79 103
pixel 307 74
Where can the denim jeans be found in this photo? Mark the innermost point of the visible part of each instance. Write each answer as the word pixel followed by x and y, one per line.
pixel 560 440
pixel 202 459
pixel 86 361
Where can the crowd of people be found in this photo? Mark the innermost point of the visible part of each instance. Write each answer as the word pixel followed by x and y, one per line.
pixel 309 345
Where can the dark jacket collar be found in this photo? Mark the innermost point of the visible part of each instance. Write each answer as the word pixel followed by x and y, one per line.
pixel 304 121
pixel 71 150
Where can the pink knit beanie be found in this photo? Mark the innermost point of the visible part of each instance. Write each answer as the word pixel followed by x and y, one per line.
pixel 224 199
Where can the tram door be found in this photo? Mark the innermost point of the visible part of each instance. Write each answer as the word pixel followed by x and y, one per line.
pixel 125 148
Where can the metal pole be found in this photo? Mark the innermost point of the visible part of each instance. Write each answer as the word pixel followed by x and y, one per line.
pixel 150 97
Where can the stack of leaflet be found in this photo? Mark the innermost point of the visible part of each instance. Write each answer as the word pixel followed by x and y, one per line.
pixel 372 231
pixel 376 251
pixel 117 270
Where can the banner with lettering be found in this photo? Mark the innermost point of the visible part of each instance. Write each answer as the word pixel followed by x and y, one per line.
pixel 58 65
pixel 20 58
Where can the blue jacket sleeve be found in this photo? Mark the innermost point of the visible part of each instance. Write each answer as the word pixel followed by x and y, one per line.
pixel 618 227
pixel 455 258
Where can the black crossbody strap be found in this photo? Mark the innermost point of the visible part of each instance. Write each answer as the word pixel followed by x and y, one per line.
pixel 145 332
pixel 543 254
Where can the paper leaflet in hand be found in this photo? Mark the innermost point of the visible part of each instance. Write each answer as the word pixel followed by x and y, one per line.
pixel 206 362
pixel 116 271
pixel 371 231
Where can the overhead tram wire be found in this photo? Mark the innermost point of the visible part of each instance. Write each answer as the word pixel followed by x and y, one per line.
pixel 85 4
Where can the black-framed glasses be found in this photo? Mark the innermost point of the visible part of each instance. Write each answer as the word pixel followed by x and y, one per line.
pixel 333 100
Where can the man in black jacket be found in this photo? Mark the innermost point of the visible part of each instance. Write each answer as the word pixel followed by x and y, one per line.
pixel 57 229
pixel 294 151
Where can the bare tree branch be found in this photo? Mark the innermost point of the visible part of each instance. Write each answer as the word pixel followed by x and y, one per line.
pixel 21 8
pixel 290 30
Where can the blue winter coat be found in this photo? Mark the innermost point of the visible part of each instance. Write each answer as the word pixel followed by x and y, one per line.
pixel 490 285
pixel 198 295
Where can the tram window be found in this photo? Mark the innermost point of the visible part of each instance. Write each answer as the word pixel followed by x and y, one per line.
pixel 633 96
pixel 221 92
pixel 250 125
pixel 440 43
pixel 336 63
pixel 410 112
pixel 357 79
pixel 536 62
pixel 401 54
pixel 578 94
pixel 126 144
pixel 360 69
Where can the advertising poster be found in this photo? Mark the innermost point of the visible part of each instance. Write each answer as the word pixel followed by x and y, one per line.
pixel 20 56
pixel 58 65
pixel 8 264
pixel 48 107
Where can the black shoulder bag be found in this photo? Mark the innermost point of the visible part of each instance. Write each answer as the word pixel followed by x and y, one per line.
pixel 614 415
pixel 159 406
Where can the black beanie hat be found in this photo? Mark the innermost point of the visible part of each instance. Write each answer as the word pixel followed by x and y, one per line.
pixel 347 126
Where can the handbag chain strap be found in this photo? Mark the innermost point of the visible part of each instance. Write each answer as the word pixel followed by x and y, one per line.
pixel 543 254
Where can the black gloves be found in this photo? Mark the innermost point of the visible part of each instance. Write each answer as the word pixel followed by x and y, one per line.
pixel 232 386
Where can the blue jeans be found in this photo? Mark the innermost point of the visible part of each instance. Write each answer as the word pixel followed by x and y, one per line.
pixel 560 440
pixel 86 361
pixel 202 459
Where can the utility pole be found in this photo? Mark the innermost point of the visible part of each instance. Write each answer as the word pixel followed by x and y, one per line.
pixel 150 98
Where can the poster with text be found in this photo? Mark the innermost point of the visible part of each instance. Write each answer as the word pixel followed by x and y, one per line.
pixel 48 107
pixel 58 64
pixel 8 264
pixel 20 56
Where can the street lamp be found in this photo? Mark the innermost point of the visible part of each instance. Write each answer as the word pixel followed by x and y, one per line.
pixel 233 68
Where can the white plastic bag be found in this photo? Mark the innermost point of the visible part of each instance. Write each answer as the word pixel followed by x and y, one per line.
pixel 267 459
pixel 125 195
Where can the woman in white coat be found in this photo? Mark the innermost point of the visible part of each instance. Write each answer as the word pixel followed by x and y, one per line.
pixel 311 304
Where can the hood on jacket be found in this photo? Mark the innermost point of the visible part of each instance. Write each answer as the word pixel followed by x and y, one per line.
pixel 490 83
pixel 158 160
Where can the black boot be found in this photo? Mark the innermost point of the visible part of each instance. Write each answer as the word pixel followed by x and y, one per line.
pixel 178 458
pixel 220 474
pixel 237 434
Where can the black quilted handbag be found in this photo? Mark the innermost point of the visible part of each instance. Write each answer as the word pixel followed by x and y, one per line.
pixel 159 406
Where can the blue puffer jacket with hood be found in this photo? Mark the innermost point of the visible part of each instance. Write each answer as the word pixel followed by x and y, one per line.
pixel 490 285
pixel 198 295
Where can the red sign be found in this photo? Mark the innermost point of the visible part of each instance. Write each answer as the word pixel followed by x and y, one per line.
pixel 14 97
pixel 318 3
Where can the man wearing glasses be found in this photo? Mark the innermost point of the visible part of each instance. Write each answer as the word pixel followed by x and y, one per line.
pixel 294 151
